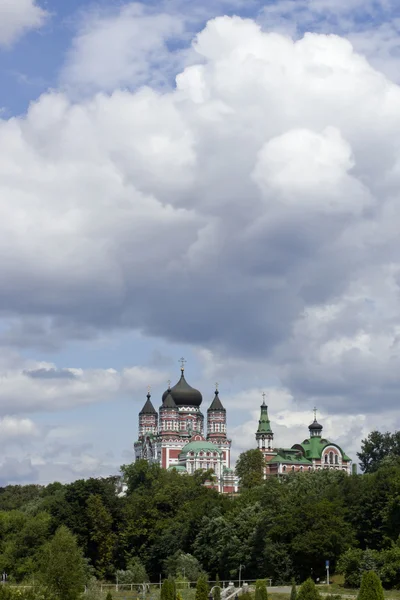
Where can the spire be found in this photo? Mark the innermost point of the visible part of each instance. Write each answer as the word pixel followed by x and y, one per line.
pixel 264 425
pixel 148 408
pixel 169 402
pixel 216 404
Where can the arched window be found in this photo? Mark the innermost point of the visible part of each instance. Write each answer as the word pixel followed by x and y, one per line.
pixel 309 468
pixel 331 458
pixel 302 469
pixel 326 459
pixel 292 468
pixel 284 468
pixel 336 459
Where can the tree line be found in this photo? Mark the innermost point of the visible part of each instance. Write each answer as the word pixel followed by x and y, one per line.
pixel 171 525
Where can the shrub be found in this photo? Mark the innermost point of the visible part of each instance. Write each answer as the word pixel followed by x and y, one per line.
pixel 371 587
pixel 308 591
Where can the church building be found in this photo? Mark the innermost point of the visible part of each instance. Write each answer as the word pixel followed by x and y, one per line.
pixel 174 437
pixel 313 454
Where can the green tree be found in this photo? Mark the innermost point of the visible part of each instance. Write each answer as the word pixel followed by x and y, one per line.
pixel 261 590
pixel 63 566
pixel 308 591
pixel 182 564
pixel 202 588
pixel 371 587
pixel 293 591
pixel 168 591
pixel 250 468
pixel 135 572
pixel 109 596
pixel 101 535
pixel 376 448
pixel 217 589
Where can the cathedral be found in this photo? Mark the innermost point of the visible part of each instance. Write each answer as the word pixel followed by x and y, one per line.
pixel 174 437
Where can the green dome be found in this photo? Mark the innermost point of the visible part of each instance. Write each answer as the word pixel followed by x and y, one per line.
pixel 202 446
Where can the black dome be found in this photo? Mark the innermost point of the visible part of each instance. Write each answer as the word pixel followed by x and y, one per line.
pixel 315 425
pixel 183 394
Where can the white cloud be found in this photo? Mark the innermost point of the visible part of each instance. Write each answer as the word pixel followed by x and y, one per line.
pixel 31 386
pixel 124 48
pixel 17 17
pixel 230 213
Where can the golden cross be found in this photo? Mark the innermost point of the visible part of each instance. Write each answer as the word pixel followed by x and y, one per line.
pixel 264 395
pixel 182 361
pixel 216 386
pixel 148 389
pixel 315 414
pixel 169 383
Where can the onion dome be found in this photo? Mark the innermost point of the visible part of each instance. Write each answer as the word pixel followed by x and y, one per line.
pixel 315 428
pixel 148 408
pixel 216 404
pixel 183 394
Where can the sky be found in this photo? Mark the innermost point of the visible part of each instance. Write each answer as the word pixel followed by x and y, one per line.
pixel 215 180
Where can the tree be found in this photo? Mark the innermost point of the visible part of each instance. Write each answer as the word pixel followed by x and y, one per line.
pixel 182 564
pixel 134 573
pixel 63 566
pixel 109 596
pixel 308 591
pixel 168 591
pixel 217 589
pixel 293 591
pixel 202 588
pixel 101 535
pixel 378 447
pixel 371 587
pixel 261 590
pixel 250 468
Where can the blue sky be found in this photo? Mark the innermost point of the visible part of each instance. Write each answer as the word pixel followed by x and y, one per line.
pixel 217 181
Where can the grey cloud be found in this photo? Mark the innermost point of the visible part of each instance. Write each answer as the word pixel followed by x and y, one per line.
pixel 51 373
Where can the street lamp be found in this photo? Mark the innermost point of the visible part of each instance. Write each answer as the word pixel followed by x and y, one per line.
pixel 240 573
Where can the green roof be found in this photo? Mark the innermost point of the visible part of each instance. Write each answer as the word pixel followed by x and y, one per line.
pixel 177 467
pixel 264 425
pixel 201 446
pixel 289 456
pixel 314 447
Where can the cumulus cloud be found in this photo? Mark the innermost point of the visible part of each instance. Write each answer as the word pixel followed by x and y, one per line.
pixel 251 211
pixel 125 47
pixel 17 17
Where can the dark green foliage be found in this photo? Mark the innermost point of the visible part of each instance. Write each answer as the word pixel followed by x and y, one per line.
pixel 246 596
pixel 371 587
pixel 261 590
pixel 293 591
pixel 168 591
pixel 109 596
pixel 308 591
pixel 217 589
pixel 182 564
pixel 202 588
pixel 63 566
pixel 377 448
pixel 250 468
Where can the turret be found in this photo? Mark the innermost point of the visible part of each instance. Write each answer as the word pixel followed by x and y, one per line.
pixel 148 418
pixel 264 434
pixel 169 415
pixel 216 419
